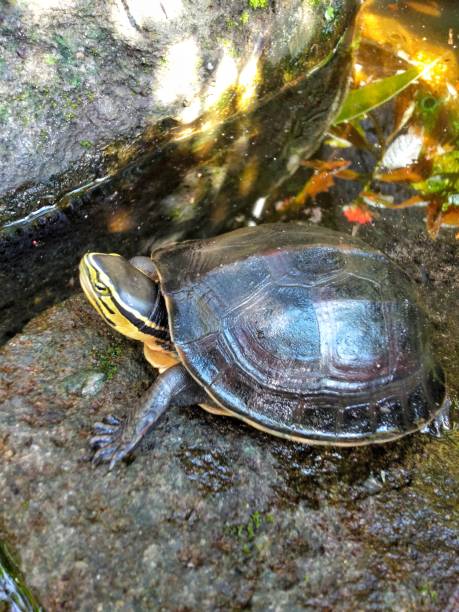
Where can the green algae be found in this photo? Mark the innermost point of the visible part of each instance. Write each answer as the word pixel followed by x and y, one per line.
pixel 246 533
pixel 13 590
pixel 258 4
pixel 107 360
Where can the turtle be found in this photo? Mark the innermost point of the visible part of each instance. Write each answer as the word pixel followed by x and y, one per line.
pixel 300 331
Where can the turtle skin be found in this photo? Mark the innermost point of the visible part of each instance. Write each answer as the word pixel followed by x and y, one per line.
pixel 303 332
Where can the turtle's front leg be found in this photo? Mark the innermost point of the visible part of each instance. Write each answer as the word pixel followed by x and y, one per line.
pixel 116 439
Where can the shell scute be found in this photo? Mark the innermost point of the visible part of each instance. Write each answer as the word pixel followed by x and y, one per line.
pixel 308 268
pixel 260 334
pixel 355 340
pixel 435 385
pixel 390 416
pixel 357 420
pixel 418 405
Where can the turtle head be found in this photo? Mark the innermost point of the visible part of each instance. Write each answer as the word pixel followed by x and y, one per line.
pixel 126 298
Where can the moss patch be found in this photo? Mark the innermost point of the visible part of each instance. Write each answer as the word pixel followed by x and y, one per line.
pixel 107 360
pixel 246 533
pixel 258 4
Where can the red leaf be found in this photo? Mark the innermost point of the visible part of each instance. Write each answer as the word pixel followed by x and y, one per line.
pixel 358 213
pixel 323 165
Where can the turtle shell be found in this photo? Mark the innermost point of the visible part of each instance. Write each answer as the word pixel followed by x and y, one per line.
pixel 303 332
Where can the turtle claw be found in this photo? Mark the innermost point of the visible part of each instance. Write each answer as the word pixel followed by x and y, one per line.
pixel 441 423
pixel 111 419
pixel 103 428
pixel 99 441
pixel 102 455
pixel 120 453
pixel 108 441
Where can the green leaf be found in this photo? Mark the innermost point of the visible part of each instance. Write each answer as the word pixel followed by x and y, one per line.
pixel 361 101
pixel 434 184
pixel 448 163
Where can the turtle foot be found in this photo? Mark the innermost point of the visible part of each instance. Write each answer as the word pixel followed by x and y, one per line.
pixel 109 443
pixel 441 423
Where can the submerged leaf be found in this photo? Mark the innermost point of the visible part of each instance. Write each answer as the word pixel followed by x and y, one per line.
pixel 427 8
pixel 448 163
pixel 357 213
pixel 351 133
pixel 433 220
pixel 403 111
pixel 325 172
pixel 361 101
pixel 434 184
pixel 403 151
pixel 385 201
pixel 327 164
pixel 377 199
pixel 410 174
pixel 318 183
pixel 348 175
pixel 337 142
pixel 338 167
pixel 416 200
pixel 451 216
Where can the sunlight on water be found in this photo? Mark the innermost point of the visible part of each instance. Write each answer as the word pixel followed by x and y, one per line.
pixel 416 34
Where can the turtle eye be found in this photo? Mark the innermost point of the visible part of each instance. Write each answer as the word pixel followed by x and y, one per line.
pixel 101 288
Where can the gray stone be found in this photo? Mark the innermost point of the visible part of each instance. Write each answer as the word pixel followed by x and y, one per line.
pixel 86 382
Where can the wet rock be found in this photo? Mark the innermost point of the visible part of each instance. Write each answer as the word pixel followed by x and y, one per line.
pixel 83 75
pixel 211 515
pixel 86 382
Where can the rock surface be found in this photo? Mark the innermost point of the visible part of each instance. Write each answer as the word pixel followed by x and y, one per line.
pixel 78 76
pixel 213 515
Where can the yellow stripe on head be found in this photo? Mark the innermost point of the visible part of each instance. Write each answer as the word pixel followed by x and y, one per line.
pixel 126 298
